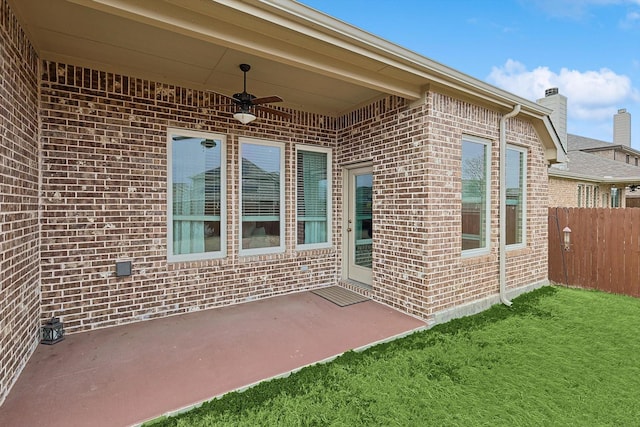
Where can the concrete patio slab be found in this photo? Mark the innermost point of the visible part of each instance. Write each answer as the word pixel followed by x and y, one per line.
pixel 128 374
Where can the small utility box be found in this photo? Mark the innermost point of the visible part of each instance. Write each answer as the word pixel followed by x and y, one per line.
pixel 123 268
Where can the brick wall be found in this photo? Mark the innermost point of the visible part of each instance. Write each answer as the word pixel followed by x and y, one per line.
pixel 19 270
pixel 564 193
pixel 104 199
pixel 416 155
pixel 104 187
pixel 97 194
pixel 391 135
pixel 453 280
pixel 617 155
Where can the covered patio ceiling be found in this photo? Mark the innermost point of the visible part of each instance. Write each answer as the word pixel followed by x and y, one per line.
pixel 316 63
pixel 200 43
pixel 313 61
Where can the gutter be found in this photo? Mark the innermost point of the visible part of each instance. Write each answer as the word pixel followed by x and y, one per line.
pixel 559 173
pixel 503 204
pixel 390 56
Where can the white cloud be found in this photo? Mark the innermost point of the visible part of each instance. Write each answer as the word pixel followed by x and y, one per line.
pixel 592 95
pixel 575 9
pixel 586 10
pixel 631 20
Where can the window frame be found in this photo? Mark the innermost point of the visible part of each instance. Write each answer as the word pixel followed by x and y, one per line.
pixel 580 195
pixel 524 159
pixel 467 253
pixel 615 197
pixel 199 256
pixel 282 226
pixel 329 152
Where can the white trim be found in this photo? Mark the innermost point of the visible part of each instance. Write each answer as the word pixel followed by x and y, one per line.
pixel 352 270
pixel 609 180
pixel 271 249
pixel 223 196
pixel 486 249
pixel 525 166
pixel 329 218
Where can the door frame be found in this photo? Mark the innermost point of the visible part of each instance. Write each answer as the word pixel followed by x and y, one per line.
pixel 346 206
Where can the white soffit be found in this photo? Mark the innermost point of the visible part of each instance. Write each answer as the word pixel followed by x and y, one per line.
pixel 316 63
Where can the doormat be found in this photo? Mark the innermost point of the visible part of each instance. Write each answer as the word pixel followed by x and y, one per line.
pixel 340 296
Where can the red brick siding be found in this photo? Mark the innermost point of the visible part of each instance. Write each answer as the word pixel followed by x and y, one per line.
pixel 453 280
pixel 563 192
pixel 416 156
pixel 391 135
pixel 104 189
pixel 101 175
pixel 19 257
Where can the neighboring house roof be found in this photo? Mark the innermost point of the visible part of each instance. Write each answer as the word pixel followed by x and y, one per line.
pixel 575 142
pixel 315 62
pixel 583 165
pixel 590 145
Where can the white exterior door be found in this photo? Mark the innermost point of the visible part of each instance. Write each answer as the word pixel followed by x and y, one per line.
pixel 359 230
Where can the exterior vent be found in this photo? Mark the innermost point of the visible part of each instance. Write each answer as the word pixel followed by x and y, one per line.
pixel 551 91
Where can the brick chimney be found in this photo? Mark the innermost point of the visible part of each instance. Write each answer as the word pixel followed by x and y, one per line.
pixel 622 128
pixel 558 104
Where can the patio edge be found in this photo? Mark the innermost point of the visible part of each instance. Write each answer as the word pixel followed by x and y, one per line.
pixel 281 375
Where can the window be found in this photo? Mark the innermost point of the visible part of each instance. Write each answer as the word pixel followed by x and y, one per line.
pixel 475 195
pixel 196 196
pixel 313 197
pixel 261 197
pixel 580 191
pixel 615 198
pixel 516 173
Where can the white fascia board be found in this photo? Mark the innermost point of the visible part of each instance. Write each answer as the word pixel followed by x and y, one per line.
pixel 558 173
pixel 412 71
pixel 328 31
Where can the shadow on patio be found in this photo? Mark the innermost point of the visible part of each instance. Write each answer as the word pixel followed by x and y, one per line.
pixel 128 374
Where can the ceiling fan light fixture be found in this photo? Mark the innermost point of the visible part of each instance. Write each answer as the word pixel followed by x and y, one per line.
pixel 244 117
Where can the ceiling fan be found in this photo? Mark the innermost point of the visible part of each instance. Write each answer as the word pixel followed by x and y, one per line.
pixel 248 103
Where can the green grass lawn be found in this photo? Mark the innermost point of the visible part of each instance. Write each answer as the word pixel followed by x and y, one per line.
pixel 558 356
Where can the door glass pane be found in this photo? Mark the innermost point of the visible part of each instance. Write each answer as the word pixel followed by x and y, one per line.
pixel 363 216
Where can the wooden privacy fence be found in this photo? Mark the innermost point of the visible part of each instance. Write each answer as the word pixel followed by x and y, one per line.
pixel 604 252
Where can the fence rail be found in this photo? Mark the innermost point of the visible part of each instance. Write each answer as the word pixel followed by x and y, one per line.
pixel 604 252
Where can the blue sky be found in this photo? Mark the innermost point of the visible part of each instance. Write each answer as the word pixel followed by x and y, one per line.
pixel 589 49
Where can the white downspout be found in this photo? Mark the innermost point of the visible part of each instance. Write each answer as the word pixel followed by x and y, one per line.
pixel 503 204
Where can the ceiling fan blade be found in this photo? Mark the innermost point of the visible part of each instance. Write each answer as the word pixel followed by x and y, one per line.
pixel 266 100
pixel 273 111
pixel 223 105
